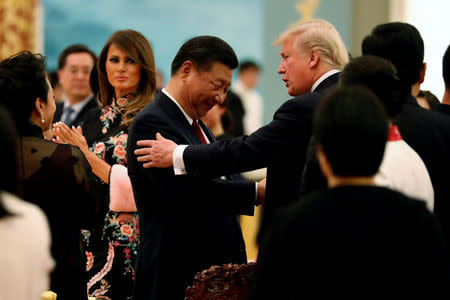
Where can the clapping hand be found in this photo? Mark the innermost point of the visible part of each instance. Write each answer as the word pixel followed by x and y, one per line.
pixel 66 135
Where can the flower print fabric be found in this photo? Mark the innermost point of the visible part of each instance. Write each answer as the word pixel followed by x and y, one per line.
pixel 110 247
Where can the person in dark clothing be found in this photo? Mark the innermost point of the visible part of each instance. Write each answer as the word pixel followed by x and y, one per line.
pixel 353 240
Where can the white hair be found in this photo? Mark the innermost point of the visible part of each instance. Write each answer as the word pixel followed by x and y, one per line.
pixel 318 35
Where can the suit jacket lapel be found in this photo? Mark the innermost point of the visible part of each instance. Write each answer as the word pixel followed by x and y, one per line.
pixel 207 131
pixel 58 112
pixel 177 116
pixel 90 104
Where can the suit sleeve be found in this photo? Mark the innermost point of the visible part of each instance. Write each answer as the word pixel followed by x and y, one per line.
pixel 184 192
pixel 312 177
pixel 289 131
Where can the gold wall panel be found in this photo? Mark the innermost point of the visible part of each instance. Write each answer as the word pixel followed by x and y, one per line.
pixel 17 26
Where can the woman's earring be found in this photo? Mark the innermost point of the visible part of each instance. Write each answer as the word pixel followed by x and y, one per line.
pixel 42 118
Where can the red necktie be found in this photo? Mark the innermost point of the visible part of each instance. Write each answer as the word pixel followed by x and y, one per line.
pixel 199 132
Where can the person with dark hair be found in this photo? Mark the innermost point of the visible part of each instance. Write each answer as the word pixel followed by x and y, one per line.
pixel 237 113
pixel 75 64
pixel 444 106
pixel 26 262
pixel 252 102
pixel 428 100
pixel 55 177
pixel 402 168
pixel 187 223
pixel 126 84
pixel 353 240
pixel 312 56
pixel 427 132
pixel 57 88
pixel 219 120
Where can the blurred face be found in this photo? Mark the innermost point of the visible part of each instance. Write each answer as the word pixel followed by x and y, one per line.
pixel 122 71
pixel 206 88
pixel 250 78
pixel 214 116
pixel 49 108
pixel 295 68
pixel 74 77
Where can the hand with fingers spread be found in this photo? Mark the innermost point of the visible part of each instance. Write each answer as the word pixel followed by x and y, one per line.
pixel 156 153
pixel 66 135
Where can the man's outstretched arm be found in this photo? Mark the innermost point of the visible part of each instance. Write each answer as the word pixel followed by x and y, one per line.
pixel 285 138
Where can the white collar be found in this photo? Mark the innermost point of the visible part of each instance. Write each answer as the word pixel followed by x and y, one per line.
pixel 323 77
pixel 77 106
pixel 189 119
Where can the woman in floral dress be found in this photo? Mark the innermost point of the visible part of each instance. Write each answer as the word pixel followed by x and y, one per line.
pixel 126 77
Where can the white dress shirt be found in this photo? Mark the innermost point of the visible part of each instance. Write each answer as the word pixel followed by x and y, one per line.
pixel 323 77
pixel 253 106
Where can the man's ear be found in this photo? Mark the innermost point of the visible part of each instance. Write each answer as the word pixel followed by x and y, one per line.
pixel 324 164
pixel 187 69
pixel 423 71
pixel 314 58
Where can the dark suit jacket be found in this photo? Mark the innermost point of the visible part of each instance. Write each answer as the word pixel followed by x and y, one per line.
pixel 80 117
pixel 186 223
pixel 442 108
pixel 428 133
pixel 237 112
pixel 353 242
pixel 281 146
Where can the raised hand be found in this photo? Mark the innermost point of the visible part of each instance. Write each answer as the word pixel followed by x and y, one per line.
pixel 66 135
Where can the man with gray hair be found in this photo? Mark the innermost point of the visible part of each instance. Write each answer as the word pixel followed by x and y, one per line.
pixel 312 55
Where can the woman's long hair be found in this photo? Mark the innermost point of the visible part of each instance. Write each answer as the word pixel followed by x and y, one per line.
pixel 138 48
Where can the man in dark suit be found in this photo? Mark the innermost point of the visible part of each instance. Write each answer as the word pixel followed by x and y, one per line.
pixel 75 64
pixel 311 56
pixel 444 106
pixel 186 223
pixel 428 133
pixel 353 240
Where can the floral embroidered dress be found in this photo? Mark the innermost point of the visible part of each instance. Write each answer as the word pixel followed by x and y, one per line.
pixel 111 246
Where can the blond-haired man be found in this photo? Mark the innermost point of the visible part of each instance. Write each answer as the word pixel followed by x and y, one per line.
pixel 312 55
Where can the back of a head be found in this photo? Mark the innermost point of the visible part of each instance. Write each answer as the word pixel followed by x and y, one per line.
pixel 351 127
pixel 380 76
pixel 400 43
pixel 446 68
pixel 22 80
pixel 318 35
pixel 203 52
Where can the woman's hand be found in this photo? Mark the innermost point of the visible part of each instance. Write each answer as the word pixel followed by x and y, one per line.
pixel 65 135
pixel 75 137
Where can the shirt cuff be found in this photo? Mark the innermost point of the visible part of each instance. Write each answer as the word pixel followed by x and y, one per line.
pixel 256 194
pixel 178 163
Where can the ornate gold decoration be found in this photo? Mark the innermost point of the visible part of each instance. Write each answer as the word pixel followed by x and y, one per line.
pixel 307 9
pixel 17 26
